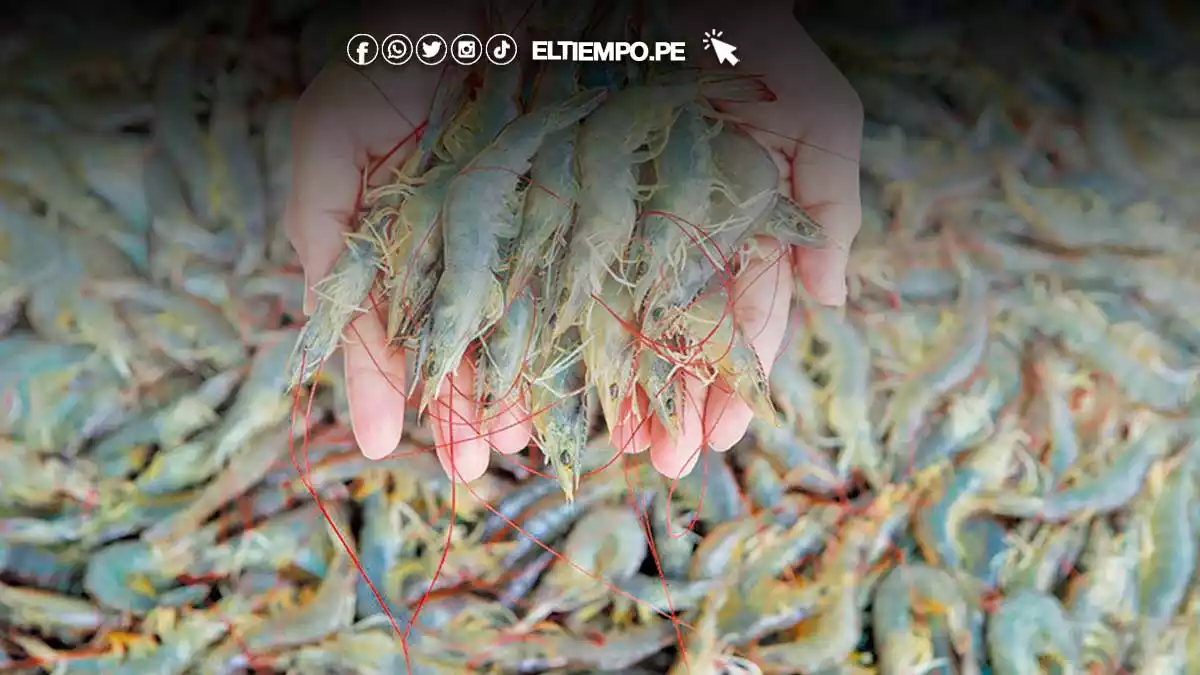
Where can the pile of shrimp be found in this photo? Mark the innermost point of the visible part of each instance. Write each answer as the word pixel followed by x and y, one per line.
pixel 988 461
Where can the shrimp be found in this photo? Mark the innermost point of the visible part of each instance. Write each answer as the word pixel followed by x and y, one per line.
pixel 1028 626
pixel 330 610
pixel 938 524
pixel 111 164
pixel 765 486
pixel 703 652
pixel 948 368
pixel 243 176
pixel 57 614
pixel 410 284
pixel 792 387
pixel 132 576
pixel 277 171
pixel 477 125
pixel 1082 221
pixel 1106 593
pixel 179 240
pixel 609 351
pixel 911 589
pixel 609 149
pixel 1109 491
pixel 834 633
pixel 480 211
pixel 44 479
pixel 712 490
pixel 285 541
pixel 179 133
pixel 503 353
pixel 1166 654
pixel 743 203
pixel 1041 564
pixel 1085 331
pixel 243 471
pixel 663 385
pixel 186 330
pixel 448 99
pixel 339 299
pixel 972 414
pixel 562 405
pixel 554 187
pixel 261 402
pixel 180 644
pixel 1064 439
pixel 1171 555
pixel 806 538
pixel 848 398
pixel 684 173
pixel 608 543
pixel 710 323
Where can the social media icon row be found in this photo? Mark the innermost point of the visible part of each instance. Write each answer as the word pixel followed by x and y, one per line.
pixel 431 49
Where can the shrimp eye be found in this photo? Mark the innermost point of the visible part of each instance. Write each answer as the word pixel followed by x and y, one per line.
pixel 669 404
pixel 565 458
pixel 656 313
pixel 613 391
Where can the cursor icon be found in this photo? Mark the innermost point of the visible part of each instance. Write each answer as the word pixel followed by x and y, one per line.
pixel 721 48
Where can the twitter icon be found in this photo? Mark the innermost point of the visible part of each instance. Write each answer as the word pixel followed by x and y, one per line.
pixel 431 49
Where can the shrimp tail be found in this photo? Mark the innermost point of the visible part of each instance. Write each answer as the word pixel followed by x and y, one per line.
pixel 791 224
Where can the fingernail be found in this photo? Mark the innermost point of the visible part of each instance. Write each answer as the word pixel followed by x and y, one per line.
pixel 720 447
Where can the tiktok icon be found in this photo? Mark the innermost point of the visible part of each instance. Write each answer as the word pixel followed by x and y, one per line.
pixel 501 49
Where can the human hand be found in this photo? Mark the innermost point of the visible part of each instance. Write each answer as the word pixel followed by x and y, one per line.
pixel 814 130
pixel 346 123
pixel 349 123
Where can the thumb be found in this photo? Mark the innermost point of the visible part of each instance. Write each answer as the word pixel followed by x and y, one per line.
pixel 343 128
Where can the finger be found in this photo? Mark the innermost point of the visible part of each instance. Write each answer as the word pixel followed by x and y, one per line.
pixel 631 434
pixel 762 300
pixel 831 183
pixel 508 424
pixel 817 117
pixel 343 126
pixel 676 458
pixel 461 447
pixel 374 387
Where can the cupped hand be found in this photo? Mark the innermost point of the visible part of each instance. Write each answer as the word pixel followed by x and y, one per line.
pixel 350 123
pixel 814 130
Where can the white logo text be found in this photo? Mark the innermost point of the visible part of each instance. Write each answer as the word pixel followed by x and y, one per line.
pixel 570 50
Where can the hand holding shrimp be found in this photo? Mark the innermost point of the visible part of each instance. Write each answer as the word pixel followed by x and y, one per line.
pixel 813 130
pixel 472 148
pixel 348 126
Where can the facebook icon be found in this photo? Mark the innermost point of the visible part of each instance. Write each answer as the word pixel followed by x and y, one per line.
pixel 362 49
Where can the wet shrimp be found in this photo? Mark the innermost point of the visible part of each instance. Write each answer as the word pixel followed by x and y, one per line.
pixel 340 297
pixel 480 211
pixel 609 349
pixel 679 202
pixel 562 407
pixel 609 151
pixel 711 324
pixel 554 187
pixel 503 353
